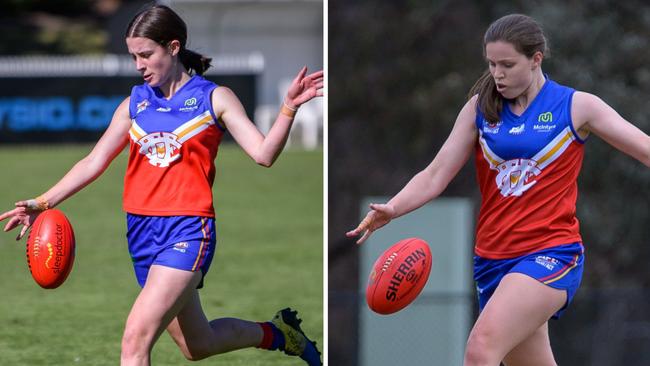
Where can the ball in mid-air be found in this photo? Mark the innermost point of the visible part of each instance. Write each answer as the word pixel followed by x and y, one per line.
pixel 50 249
pixel 398 276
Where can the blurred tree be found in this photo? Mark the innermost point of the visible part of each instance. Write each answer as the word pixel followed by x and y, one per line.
pixel 31 27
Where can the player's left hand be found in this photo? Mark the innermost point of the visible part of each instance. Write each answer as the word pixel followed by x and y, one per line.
pixel 304 88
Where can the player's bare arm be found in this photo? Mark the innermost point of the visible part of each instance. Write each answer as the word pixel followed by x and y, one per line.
pixel 82 173
pixel 591 114
pixel 264 150
pixel 430 182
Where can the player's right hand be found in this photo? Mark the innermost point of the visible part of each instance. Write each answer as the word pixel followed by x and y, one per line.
pixel 24 214
pixel 379 215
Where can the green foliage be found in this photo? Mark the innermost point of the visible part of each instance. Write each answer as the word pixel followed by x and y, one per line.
pixel 41 27
pixel 269 255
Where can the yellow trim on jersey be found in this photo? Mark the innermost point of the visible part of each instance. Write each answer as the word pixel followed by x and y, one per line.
pixel 203 242
pixel 182 133
pixel 487 155
pixel 575 263
pixel 135 131
pixel 555 148
pixel 206 120
pixel 135 134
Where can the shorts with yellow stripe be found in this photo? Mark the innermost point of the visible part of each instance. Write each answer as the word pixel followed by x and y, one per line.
pixel 182 242
pixel 558 267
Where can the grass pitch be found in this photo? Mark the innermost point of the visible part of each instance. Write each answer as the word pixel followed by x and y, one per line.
pixel 269 256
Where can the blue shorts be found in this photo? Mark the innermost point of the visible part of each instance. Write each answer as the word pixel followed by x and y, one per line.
pixel 182 242
pixel 558 267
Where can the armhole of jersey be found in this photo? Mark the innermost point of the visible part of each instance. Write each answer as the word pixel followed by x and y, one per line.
pixel 131 104
pixel 208 101
pixel 478 120
pixel 575 133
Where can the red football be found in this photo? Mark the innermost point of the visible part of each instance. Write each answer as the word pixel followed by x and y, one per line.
pixel 50 249
pixel 398 276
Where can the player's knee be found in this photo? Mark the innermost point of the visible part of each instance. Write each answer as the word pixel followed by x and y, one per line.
pixel 479 351
pixel 197 352
pixel 194 356
pixel 136 341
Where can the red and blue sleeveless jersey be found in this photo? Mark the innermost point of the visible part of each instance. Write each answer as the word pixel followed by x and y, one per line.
pixel 527 169
pixel 173 145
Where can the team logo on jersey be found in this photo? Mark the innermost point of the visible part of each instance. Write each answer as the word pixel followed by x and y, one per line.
pixel 516 176
pixel 492 128
pixel 162 148
pixel 517 130
pixel 142 106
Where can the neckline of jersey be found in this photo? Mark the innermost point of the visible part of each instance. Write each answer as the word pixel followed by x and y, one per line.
pixel 160 95
pixel 526 111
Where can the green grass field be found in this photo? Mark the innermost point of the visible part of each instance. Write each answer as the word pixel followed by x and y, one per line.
pixel 269 255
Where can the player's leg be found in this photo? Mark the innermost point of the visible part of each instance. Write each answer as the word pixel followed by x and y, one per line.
pixel 197 338
pixel 519 306
pixel 533 351
pixel 165 293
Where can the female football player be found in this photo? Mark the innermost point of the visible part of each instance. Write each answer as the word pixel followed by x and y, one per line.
pixel 173 124
pixel 527 134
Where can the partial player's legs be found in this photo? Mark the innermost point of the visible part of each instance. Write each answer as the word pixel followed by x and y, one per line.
pixel 197 338
pixel 164 294
pixel 533 351
pixel 519 307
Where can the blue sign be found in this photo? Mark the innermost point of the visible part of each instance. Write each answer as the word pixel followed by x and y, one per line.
pixel 90 113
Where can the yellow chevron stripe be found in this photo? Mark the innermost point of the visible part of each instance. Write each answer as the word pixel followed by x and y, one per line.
pixel 135 133
pixel 487 155
pixel 555 148
pixel 196 125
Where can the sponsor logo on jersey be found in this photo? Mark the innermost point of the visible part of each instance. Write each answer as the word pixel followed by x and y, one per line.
pixel 161 109
pixel 162 148
pixel 517 130
pixel 516 176
pixel 181 247
pixel 546 262
pixel 545 125
pixel 189 105
pixel 492 128
pixel 545 117
pixel 142 106
pixel 544 128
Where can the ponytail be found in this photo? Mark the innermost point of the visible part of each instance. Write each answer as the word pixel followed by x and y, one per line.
pixel 194 61
pixel 162 25
pixel 489 100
